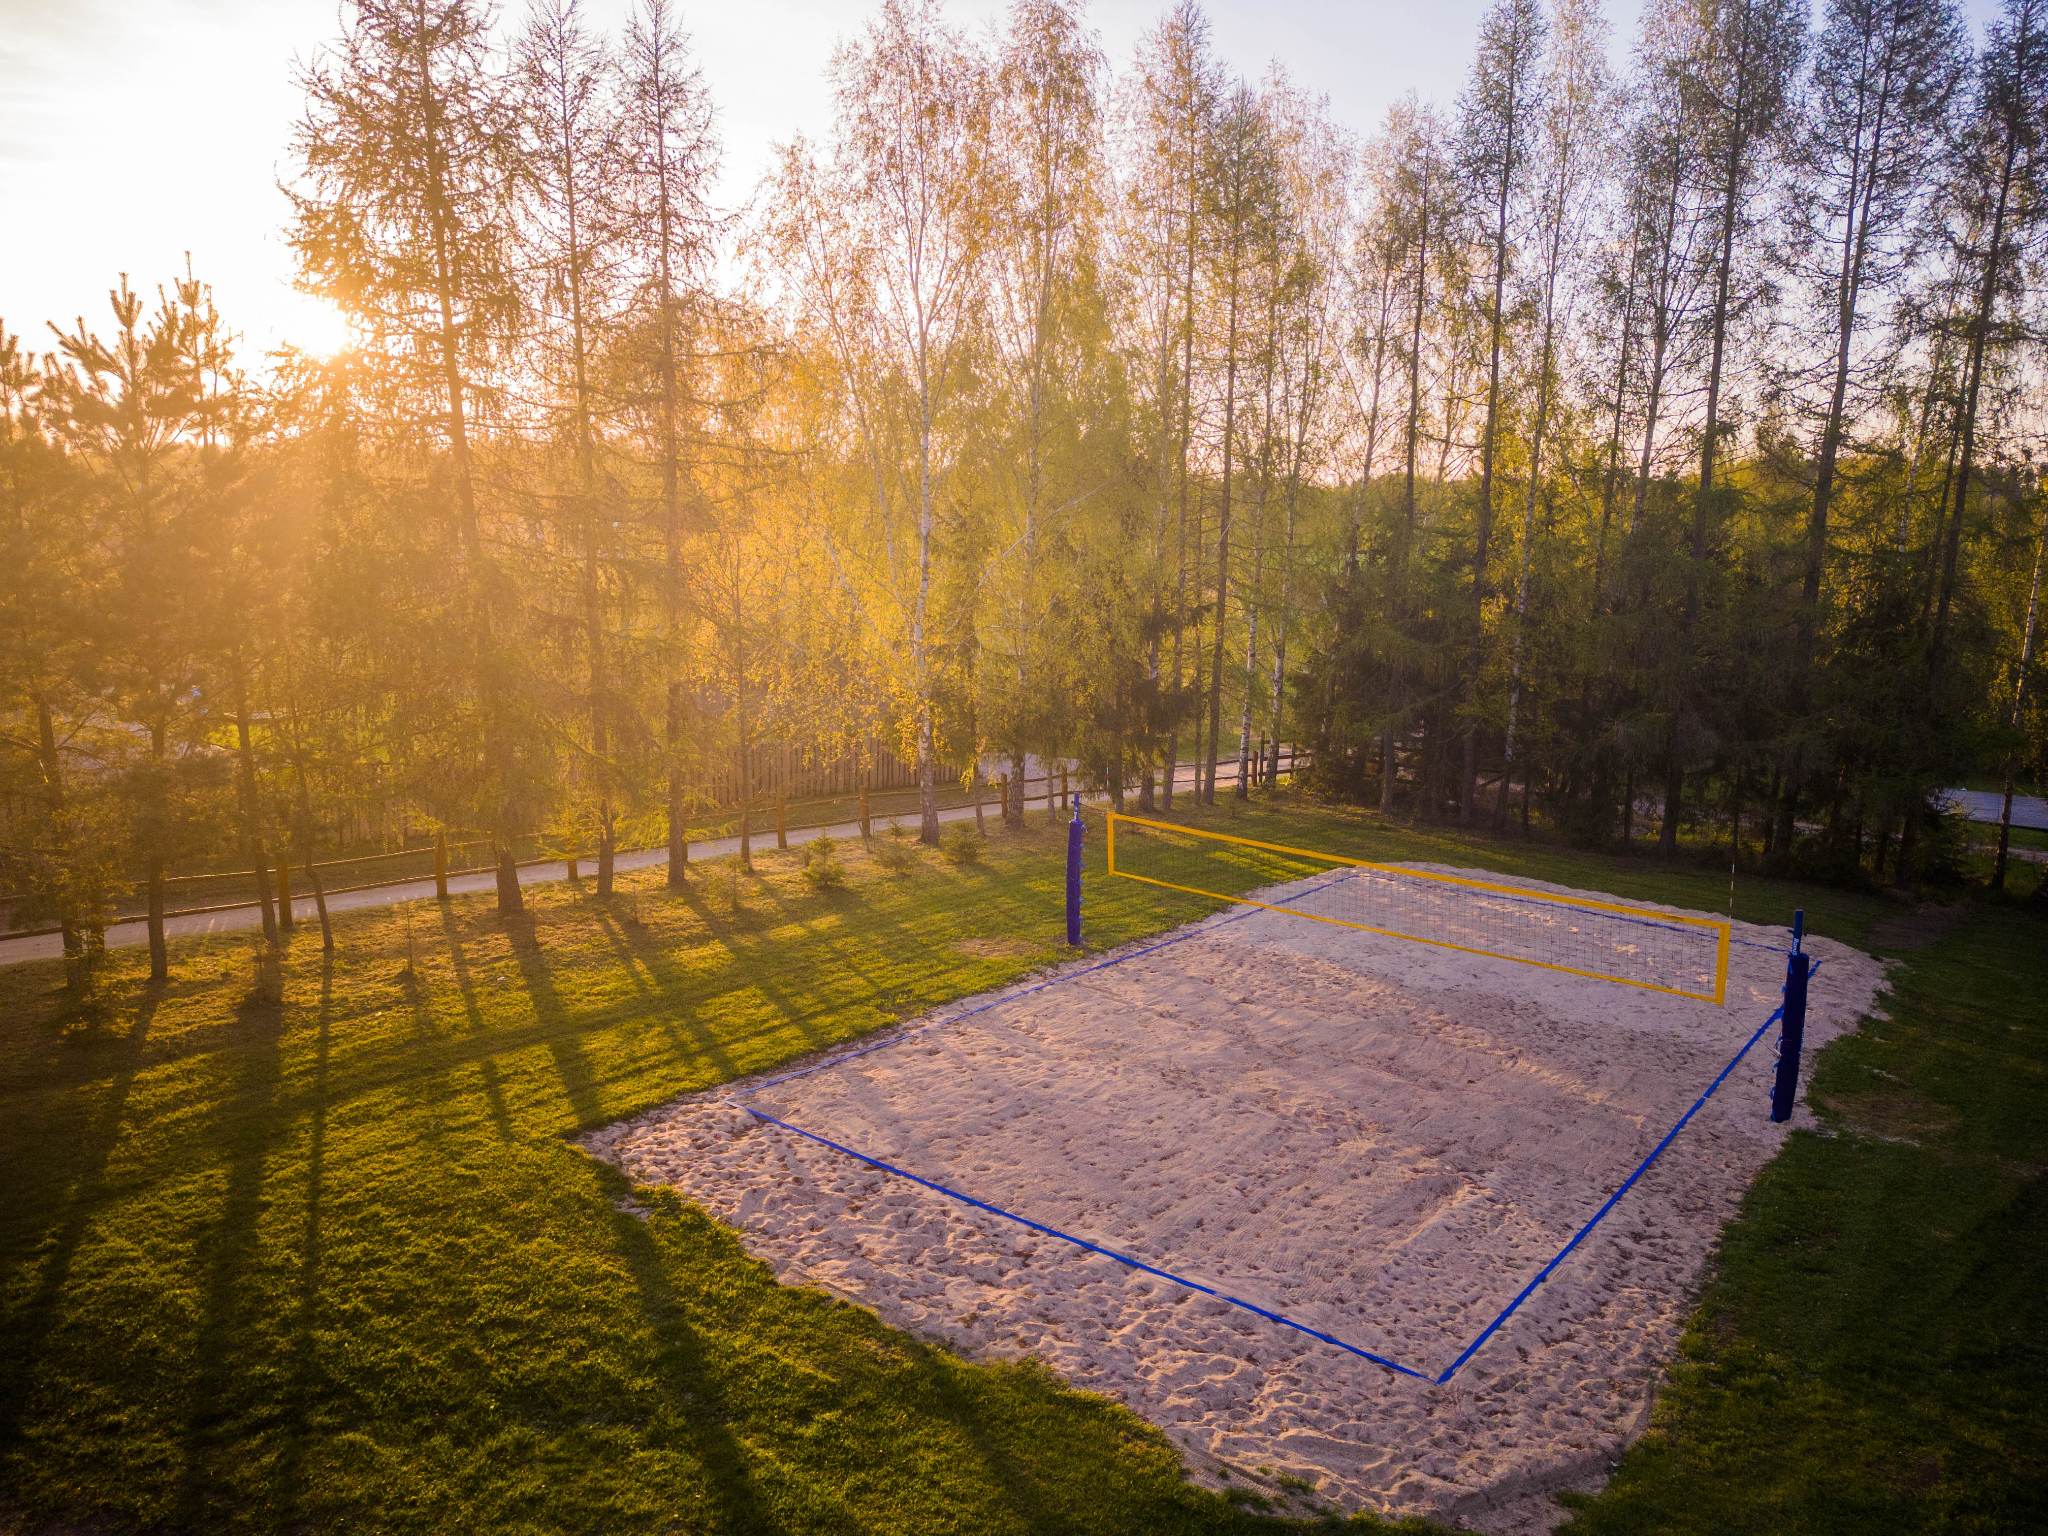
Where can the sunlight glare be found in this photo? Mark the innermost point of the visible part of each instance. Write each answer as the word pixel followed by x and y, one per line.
pixel 317 328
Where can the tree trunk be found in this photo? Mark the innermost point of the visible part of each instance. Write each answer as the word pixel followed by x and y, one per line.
pixel 159 953
pixel 51 766
pixel 1980 327
pixel 1187 374
pixel 2019 696
pixel 1483 529
pixel 1849 287
pixel 245 793
pixel 1251 606
pixel 1223 536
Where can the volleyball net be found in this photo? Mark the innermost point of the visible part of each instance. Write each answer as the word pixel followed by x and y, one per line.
pixel 1628 946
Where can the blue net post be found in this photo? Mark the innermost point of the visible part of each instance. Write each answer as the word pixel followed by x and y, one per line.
pixel 1074 877
pixel 1792 1028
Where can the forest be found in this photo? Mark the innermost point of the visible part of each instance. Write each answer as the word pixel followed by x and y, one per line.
pixel 1642 452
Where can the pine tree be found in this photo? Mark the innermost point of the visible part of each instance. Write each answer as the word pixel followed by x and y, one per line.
pixel 671 158
pixel 571 144
pixel 403 213
pixel 122 407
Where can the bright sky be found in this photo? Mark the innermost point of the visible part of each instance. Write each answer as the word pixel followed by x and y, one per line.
pixel 130 134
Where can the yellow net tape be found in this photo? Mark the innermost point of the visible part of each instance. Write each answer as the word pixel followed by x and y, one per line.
pixel 1668 952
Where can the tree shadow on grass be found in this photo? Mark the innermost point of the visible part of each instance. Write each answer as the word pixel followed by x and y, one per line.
pixel 931 974
pixel 93 1147
pixel 659 981
pixel 1022 1483
pixel 579 1083
pixel 465 986
pixel 757 960
pixel 681 1372
pixel 1077 1444
pixel 246 1124
pixel 304 1368
pixel 458 962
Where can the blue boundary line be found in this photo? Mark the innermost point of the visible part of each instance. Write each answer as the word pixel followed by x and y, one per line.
pixel 1166 1274
pixel 1614 1199
pixel 1082 1242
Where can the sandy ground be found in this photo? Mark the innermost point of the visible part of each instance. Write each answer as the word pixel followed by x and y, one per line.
pixel 1381 1140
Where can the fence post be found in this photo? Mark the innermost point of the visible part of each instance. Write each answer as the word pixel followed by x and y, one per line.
pixel 782 821
pixel 1065 801
pixel 1074 878
pixel 1792 1027
pixel 441 866
pixel 284 892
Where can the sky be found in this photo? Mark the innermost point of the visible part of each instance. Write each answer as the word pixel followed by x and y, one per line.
pixel 131 133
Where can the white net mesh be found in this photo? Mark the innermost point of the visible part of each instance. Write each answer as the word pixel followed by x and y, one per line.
pixel 1633 946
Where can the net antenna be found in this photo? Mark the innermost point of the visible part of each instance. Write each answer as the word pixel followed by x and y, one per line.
pixel 1643 947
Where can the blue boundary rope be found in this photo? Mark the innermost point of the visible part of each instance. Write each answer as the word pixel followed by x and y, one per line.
pixel 1082 1242
pixel 1166 1274
pixel 1614 1199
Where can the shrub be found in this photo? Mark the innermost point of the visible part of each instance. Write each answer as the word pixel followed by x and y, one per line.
pixel 822 869
pixel 266 989
pixel 895 852
pixel 961 843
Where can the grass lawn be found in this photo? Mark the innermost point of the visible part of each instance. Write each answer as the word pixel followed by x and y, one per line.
pixel 1984 837
pixel 331 1264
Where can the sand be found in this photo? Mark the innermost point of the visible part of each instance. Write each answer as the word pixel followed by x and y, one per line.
pixel 1381 1140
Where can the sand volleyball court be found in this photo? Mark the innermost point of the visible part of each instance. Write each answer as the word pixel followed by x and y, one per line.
pixel 1375 1140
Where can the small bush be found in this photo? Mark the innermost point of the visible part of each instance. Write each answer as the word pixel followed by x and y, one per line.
pixel 822 869
pixel 961 843
pixel 266 989
pixel 1944 848
pixel 85 969
pixel 895 852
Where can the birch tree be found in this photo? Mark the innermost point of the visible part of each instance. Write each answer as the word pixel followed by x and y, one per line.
pixel 1870 134
pixel 1496 117
pixel 1741 76
pixel 1177 90
pixel 1243 196
pixel 1575 110
pixel 1045 174
pixel 886 241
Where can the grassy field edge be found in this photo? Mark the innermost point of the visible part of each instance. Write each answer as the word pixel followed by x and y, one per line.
pixel 332 1263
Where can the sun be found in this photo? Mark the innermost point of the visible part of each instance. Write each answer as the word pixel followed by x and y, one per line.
pixel 317 328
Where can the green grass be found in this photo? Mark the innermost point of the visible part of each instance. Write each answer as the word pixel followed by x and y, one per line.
pixel 332 1264
pixel 1870 1355
pixel 1985 836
